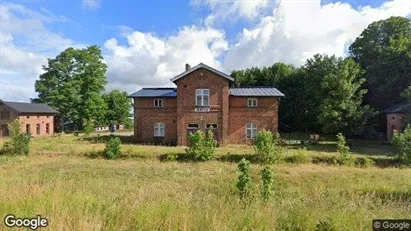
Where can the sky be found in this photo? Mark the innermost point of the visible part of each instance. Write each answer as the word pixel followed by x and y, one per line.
pixel 147 42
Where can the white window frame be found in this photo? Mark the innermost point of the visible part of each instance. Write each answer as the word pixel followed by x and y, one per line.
pixel 202 93
pixel 252 127
pixel 159 129
pixel 250 102
pixel 158 101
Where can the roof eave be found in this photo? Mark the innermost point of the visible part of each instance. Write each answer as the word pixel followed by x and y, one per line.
pixel 202 65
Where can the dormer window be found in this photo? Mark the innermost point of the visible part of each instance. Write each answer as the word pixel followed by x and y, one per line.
pixel 158 103
pixel 202 97
pixel 252 102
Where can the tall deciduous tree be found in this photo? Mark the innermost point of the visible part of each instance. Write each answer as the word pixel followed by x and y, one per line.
pixel 384 51
pixel 118 106
pixel 73 83
pixel 341 108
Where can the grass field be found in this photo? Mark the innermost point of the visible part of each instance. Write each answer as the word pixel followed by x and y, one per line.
pixel 66 180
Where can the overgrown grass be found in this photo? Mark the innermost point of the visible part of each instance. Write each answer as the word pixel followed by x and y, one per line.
pixel 141 192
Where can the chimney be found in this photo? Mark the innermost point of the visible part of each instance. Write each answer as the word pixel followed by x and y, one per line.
pixel 187 67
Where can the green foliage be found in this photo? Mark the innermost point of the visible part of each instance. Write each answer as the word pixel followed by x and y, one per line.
pixel 73 83
pixel 201 147
pixel 341 108
pixel 402 143
pixel 267 186
pixel 244 181
pixel 301 157
pixel 172 156
pixel 407 93
pixel 119 107
pixel 384 50
pixel 113 149
pixel 345 155
pixel 89 128
pixel 20 142
pixel 267 147
pixel 365 162
pixel 128 123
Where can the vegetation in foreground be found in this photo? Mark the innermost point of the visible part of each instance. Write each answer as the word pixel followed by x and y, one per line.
pixel 66 180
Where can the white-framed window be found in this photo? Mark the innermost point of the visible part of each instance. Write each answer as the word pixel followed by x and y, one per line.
pixel 202 97
pixel 159 129
pixel 158 102
pixel 251 131
pixel 252 102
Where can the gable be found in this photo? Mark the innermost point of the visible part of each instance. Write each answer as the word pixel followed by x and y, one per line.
pixel 199 66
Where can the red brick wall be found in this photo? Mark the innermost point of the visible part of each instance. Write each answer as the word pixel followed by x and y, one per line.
pixel 219 94
pixel 145 115
pixel 395 122
pixel 265 115
pixel 231 114
pixel 5 121
pixel 33 120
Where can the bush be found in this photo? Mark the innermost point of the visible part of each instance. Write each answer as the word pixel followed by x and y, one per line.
pixel 20 142
pixel 172 157
pixel 402 143
pixel 345 155
pixel 267 186
pixel 88 129
pixel 301 157
pixel 365 162
pixel 113 149
pixel 244 183
pixel 201 147
pixel 267 147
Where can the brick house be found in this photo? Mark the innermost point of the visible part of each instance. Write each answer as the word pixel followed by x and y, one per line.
pixel 35 119
pixel 398 116
pixel 204 99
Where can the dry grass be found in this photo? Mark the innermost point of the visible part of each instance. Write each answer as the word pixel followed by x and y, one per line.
pixel 140 192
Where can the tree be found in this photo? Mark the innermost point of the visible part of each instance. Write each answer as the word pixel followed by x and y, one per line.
pixel 73 83
pixel 341 108
pixel 402 143
pixel 407 93
pixel 384 51
pixel 118 107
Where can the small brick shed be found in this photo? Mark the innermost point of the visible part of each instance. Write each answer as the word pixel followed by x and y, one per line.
pixel 398 116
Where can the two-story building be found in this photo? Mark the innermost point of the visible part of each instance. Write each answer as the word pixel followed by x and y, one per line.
pixel 35 119
pixel 204 99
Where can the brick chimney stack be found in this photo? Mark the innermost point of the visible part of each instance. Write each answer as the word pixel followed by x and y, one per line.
pixel 187 67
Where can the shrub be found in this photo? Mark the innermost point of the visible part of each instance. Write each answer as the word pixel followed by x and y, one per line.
pixel 365 162
pixel 172 157
pixel 20 142
pixel 345 155
pixel 201 147
pixel 267 147
pixel 267 186
pixel 244 183
pixel 88 129
pixel 301 157
pixel 402 143
pixel 113 149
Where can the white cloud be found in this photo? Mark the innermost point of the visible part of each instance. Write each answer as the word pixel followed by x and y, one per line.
pixel 296 30
pixel 25 44
pixel 223 10
pixel 91 4
pixel 148 60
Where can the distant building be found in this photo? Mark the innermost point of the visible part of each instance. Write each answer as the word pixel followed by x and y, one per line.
pixel 398 116
pixel 35 119
pixel 204 100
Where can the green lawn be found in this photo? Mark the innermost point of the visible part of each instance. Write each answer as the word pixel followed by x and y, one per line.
pixel 66 180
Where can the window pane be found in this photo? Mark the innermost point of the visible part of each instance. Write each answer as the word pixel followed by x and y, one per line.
pixel 199 101
pixel 248 133
pixel 205 101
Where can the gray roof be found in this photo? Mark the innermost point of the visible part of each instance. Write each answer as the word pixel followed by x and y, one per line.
pixel 256 91
pixel 402 107
pixel 202 65
pixel 30 107
pixel 154 92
